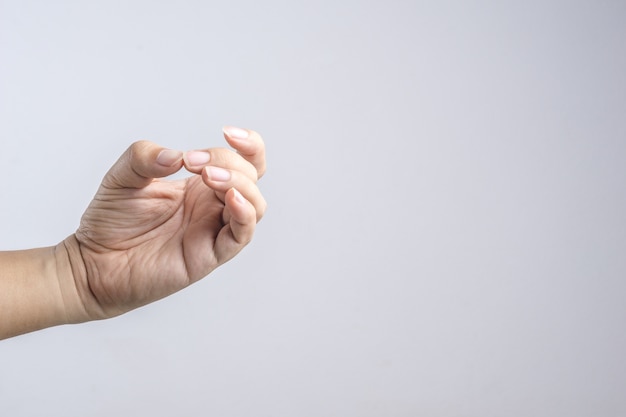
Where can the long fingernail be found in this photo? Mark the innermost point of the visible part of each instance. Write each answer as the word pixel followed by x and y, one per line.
pixel 236 132
pixel 217 174
pixel 169 157
pixel 195 158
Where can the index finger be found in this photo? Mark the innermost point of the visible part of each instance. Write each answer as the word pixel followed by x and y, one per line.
pixel 249 145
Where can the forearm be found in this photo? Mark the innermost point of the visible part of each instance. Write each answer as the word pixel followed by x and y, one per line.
pixel 37 290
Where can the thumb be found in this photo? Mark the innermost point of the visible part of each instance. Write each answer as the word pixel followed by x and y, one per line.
pixel 142 162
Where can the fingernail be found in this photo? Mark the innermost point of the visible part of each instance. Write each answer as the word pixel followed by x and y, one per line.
pixel 195 158
pixel 217 174
pixel 238 197
pixel 236 133
pixel 169 157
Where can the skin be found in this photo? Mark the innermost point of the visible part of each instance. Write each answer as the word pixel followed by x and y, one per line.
pixel 142 238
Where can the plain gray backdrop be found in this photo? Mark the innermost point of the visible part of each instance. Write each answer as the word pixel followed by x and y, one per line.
pixel 446 229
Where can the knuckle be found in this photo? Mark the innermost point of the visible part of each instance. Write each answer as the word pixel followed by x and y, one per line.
pixel 137 149
pixel 139 145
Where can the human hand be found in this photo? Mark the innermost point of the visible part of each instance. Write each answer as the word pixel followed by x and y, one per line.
pixel 143 238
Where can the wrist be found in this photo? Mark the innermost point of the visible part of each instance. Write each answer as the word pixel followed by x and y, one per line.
pixel 70 271
pixel 80 303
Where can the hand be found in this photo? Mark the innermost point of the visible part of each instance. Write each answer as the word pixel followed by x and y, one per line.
pixel 143 238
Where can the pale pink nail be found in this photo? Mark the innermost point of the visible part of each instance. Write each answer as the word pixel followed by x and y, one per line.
pixel 169 157
pixel 195 158
pixel 236 133
pixel 238 197
pixel 218 174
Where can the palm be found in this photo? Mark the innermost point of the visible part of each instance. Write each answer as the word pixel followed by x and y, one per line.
pixel 140 245
pixel 143 238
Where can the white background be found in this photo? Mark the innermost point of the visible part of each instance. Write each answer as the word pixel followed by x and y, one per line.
pixel 446 230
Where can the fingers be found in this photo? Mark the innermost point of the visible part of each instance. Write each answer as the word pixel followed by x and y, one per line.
pixel 221 180
pixel 249 158
pixel 143 161
pixel 248 144
pixel 240 228
pixel 140 164
pixel 195 161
